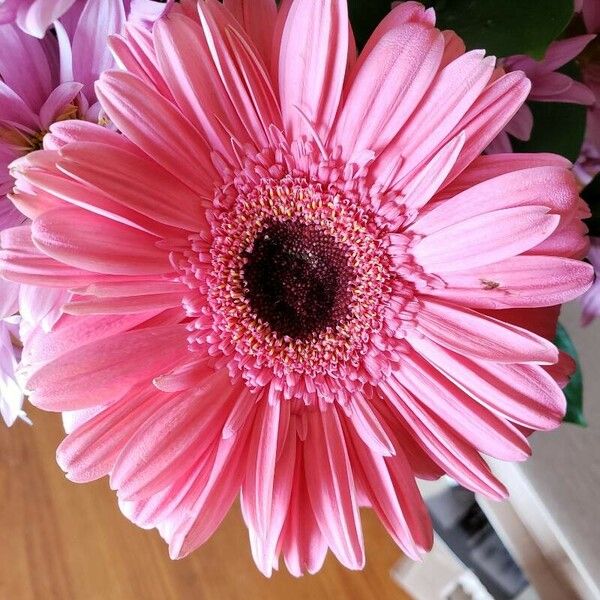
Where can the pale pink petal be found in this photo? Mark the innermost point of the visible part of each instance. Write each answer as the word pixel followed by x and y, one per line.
pixel 525 394
pixel 331 487
pixel 390 79
pixel 92 243
pixel 101 372
pixel 157 127
pixel 468 332
pixel 258 18
pixel 312 65
pixel 91 55
pixel 39 15
pixel 515 282
pixel 485 239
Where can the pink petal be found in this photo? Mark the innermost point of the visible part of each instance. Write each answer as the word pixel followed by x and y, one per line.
pixel 257 489
pixel 551 186
pixel 487 167
pixel 331 487
pixel 478 336
pixel 186 64
pixel 123 305
pixel 457 457
pixel 172 440
pixel 390 79
pixel 240 70
pixel 303 545
pixel 153 123
pixel 525 394
pixel 369 428
pixel 213 498
pixel 90 242
pixel 516 282
pixel 395 497
pixel 456 87
pixel 478 426
pixel 312 65
pixel 485 239
pixel 489 114
pixel 265 546
pixel 102 371
pixel 258 18
pixel 91 451
pixel 135 182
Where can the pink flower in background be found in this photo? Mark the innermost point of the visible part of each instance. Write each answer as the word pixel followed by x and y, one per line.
pixel 547 85
pixel 11 392
pixel 294 285
pixel 588 164
pixel 591 300
pixel 41 82
pixel 590 10
pixel 34 16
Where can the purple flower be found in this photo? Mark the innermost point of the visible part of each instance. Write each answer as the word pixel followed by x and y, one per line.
pixel 547 85
pixel 42 81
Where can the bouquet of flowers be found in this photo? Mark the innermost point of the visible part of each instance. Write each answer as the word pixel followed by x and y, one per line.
pixel 301 253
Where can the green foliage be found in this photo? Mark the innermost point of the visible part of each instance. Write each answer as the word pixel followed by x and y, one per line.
pixel 502 27
pixel 365 15
pixel 505 27
pixel 558 127
pixel 574 390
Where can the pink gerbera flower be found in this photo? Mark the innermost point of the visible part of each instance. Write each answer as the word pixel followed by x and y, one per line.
pixel 295 278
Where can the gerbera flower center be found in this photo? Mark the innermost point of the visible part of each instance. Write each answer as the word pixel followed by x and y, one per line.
pixel 298 282
pixel 297 279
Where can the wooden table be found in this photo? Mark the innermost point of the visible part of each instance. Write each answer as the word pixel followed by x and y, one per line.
pixel 63 541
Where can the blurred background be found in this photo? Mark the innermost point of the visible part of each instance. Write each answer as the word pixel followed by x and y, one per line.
pixel 62 541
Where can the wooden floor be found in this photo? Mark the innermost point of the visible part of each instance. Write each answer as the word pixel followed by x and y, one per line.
pixel 63 541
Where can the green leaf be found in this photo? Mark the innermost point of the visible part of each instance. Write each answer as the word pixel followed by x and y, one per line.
pixel 591 194
pixel 574 389
pixel 505 27
pixel 557 127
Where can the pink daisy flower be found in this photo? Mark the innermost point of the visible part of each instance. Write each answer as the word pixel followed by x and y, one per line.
pixel 295 278
pixel 591 300
pixel 34 17
pixel 588 164
pixel 590 10
pixel 547 85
